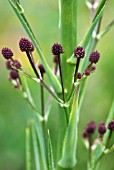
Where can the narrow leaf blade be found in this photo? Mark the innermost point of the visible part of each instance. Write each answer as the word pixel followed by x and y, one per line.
pixel 50 153
pixel 106 30
pixel 38 128
pixel 68 158
pixel 109 118
pixel 35 147
pixel 28 150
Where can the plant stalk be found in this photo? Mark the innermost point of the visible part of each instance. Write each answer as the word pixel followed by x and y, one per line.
pixel 63 93
pixel 40 79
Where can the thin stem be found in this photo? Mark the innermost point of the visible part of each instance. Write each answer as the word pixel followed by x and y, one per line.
pixel 56 68
pixel 107 143
pixel 59 63
pixel 92 9
pixel 32 64
pixel 76 69
pixel 75 76
pixel 41 81
pixel 90 151
pixel 42 99
pixel 42 108
pixel 50 91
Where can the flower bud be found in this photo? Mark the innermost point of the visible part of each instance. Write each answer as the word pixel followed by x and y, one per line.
pixel 7 53
pixel 26 45
pixel 94 57
pixel 79 52
pixel 57 49
pixel 14 74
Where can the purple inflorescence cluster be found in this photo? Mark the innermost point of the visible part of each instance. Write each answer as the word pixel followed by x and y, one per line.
pixel 7 53
pixel 94 57
pixel 57 49
pixel 111 125
pixel 102 128
pixel 79 52
pixel 26 45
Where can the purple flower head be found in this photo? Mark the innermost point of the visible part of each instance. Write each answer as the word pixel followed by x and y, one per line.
pixel 102 128
pixel 79 52
pixel 26 45
pixel 42 70
pixel 87 72
pixel 91 126
pixel 111 125
pixel 7 53
pixel 94 57
pixel 57 49
pixel 93 68
pixel 17 64
pixel 85 134
pixel 55 59
pixel 79 75
pixel 9 64
pixel 14 74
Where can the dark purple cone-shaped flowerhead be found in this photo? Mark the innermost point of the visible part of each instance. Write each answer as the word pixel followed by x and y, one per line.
pixel 79 52
pixel 102 128
pixel 14 74
pixel 87 72
pixel 91 126
pixel 57 49
pixel 94 57
pixel 7 53
pixel 85 134
pixel 42 70
pixel 9 64
pixel 26 45
pixel 17 64
pixel 111 125
pixel 55 59
pixel 79 75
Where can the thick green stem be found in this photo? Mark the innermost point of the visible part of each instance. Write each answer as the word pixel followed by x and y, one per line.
pixel 68 37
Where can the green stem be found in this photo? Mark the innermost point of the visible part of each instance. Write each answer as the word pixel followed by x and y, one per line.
pixel 40 79
pixel 90 151
pixel 68 39
pixel 68 36
pixel 63 93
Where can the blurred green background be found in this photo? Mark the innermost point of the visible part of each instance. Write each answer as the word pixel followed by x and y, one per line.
pixel 43 16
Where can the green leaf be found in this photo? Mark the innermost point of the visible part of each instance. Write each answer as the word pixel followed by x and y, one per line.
pixel 51 76
pixel 68 158
pixel 38 128
pixel 89 33
pixel 102 4
pixel 28 150
pixel 109 118
pixel 35 147
pixel 105 31
pixel 50 153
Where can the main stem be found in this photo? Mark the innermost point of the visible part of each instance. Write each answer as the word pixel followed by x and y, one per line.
pixel 68 39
